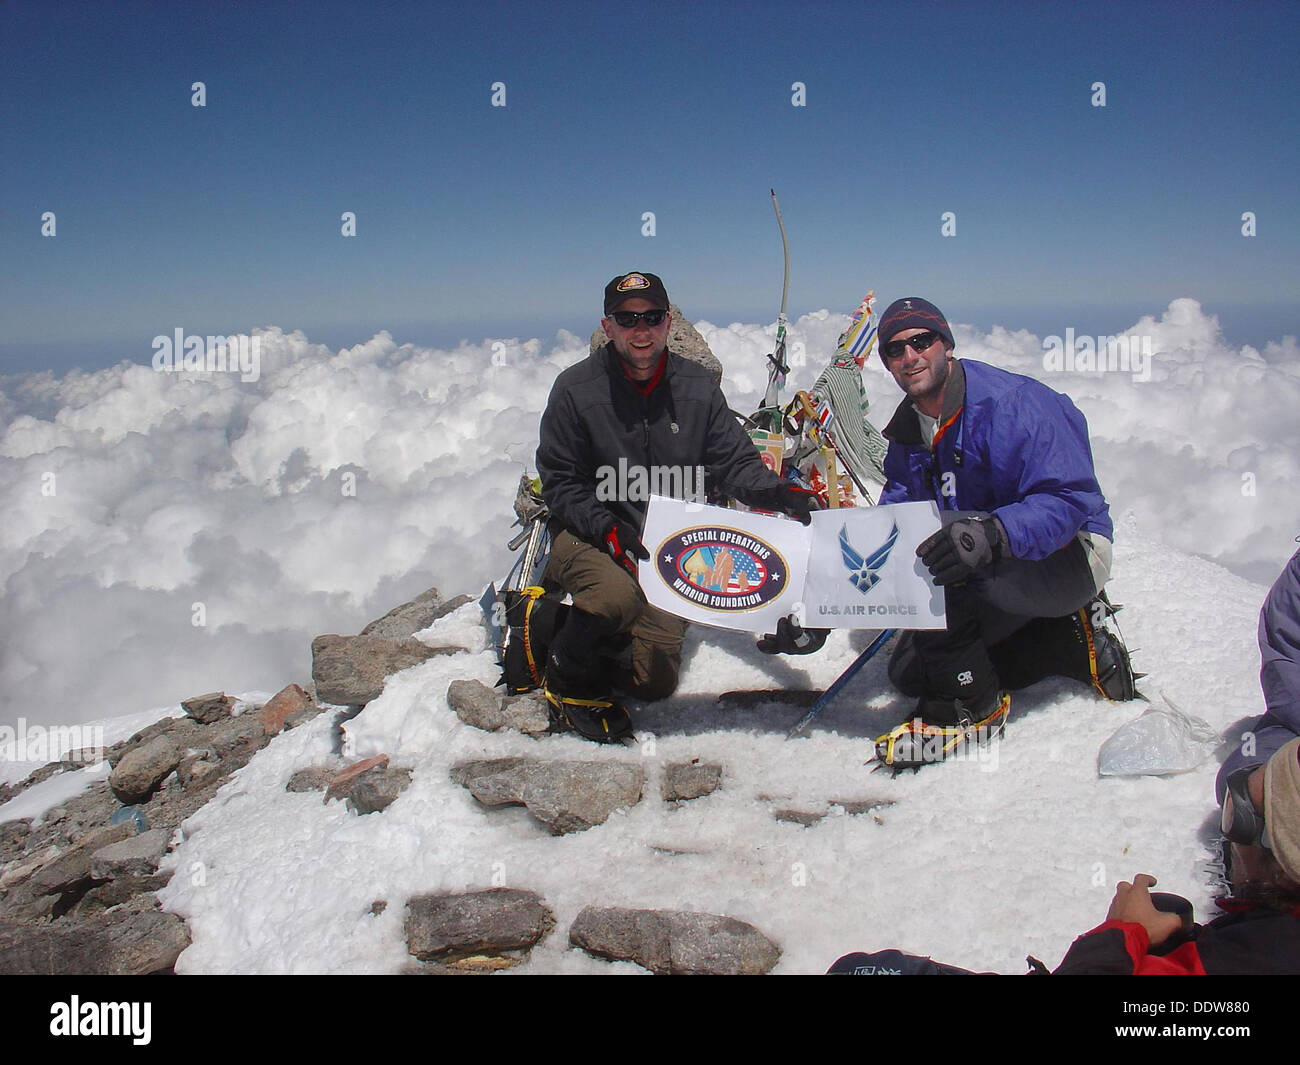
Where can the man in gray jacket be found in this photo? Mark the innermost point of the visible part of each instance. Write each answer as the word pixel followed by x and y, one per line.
pixel 630 419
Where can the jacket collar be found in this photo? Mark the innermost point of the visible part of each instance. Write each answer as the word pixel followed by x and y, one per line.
pixel 905 427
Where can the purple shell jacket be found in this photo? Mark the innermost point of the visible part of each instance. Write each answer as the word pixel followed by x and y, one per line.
pixel 1279 676
pixel 1014 448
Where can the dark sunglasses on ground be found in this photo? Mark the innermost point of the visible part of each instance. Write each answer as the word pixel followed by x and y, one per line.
pixel 1240 821
pixel 627 319
pixel 918 343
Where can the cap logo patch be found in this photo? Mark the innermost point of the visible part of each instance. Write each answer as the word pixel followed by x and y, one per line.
pixel 631 283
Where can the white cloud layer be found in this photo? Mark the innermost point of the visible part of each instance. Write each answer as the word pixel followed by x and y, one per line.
pixel 137 502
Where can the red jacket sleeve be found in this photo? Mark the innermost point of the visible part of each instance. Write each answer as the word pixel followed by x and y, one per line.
pixel 1117 948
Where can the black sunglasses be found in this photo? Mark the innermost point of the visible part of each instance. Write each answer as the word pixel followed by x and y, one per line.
pixel 918 343
pixel 1240 821
pixel 627 319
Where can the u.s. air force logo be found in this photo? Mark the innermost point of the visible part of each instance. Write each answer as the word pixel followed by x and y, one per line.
pixel 864 570
pixel 721 569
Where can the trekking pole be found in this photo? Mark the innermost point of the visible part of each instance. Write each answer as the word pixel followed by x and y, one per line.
pixel 840 681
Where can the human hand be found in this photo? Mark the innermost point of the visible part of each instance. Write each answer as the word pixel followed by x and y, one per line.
pixel 1132 905
pixel 957 550
pixel 622 542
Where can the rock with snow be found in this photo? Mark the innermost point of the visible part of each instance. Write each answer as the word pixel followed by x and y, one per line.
pixel 376 789
pixel 139 773
pixel 133 856
pixel 495 921
pixel 341 783
pixel 690 780
pixel 478 705
pixel 208 708
pixel 413 616
pixel 475 704
pixel 351 670
pixel 313 778
pixel 566 796
pixel 672 941
pixel 526 713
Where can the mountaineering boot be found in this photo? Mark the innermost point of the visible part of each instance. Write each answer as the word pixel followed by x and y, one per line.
pixel 1083 646
pixel 1109 668
pixel 533 620
pixel 943 728
pixel 577 690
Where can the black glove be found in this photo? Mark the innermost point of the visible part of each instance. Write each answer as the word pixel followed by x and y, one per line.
pixel 622 543
pixel 789 499
pixel 958 550
pixel 791 639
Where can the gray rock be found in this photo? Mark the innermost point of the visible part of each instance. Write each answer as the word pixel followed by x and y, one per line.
pixel 133 856
pixel 566 796
pixel 133 939
pixel 690 780
pixel 300 718
pixel 244 733
pixel 15 831
pixel 73 865
pixel 670 941
pixel 116 892
pixel 478 705
pixel 208 708
pixel 141 771
pixel 799 817
pixel 375 790
pixel 39 776
pixel 475 704
pixel 683 339
pixel 180 730
pixel 313 778
pixel 477 922
pixel 856 807
pixel 196 767
pixel 526 713
pixel 410 618
pixel 351 670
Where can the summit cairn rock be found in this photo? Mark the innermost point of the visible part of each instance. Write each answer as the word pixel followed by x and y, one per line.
pixel 683 339
pixel 673 941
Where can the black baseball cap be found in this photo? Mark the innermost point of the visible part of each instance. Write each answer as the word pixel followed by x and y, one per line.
pixel 636 285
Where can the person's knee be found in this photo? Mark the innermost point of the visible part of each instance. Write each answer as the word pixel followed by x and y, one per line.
pixel 656 670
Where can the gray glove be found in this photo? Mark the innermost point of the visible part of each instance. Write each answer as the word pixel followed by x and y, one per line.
pixel 959 550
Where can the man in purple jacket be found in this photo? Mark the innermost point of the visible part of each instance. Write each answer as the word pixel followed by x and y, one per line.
pixel 1279 677
pixel 1025 547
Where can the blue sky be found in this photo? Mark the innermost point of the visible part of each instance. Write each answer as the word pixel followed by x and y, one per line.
pixel 475 221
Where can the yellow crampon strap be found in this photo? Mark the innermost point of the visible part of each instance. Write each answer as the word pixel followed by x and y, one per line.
pixel 533 593
pixel 1092 655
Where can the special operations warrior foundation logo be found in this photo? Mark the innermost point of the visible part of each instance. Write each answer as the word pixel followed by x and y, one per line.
pixel 721 569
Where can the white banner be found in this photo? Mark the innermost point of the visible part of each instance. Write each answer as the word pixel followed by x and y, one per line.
pixel 853 568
